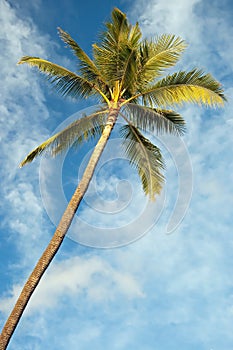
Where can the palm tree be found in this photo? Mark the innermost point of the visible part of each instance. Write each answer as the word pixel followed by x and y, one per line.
pixel 125 74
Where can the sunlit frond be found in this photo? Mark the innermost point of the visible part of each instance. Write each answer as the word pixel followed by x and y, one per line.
pixel 117 30
pixel 73 135
pixel 65 81
pixel 154 120
pixel 193 86
pixel 135 35
pixel 146 158
pixel 116 53
pixel 129 59
pixel 129 69
pixel 159 54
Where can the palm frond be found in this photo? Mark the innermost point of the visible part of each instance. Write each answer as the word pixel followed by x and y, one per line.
pixel 65 81
pixel 128 72
pixel 193 86
pixel 117 29
pixel 157 55
pixel 73 135
pixel 115 55
pixel 154 120
pixel 146 158
pixel 129 59
pixel 135 35
pixel 86 64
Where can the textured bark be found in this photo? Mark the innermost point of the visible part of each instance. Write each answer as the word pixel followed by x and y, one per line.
pixel 59 234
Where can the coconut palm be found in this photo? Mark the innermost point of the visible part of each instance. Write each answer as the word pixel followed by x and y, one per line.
pixel 125 74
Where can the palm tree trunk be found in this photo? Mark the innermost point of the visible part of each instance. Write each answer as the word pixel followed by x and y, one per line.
pixel 59 234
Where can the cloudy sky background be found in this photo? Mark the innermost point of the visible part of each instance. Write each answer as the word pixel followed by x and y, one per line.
pixel 163 291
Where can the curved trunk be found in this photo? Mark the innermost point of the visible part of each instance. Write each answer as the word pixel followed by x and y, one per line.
pixel 59 234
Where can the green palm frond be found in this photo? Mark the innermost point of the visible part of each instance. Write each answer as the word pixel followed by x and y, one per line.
pixel 115 55
pixel 157 55
pixel 87 66
pixel 129 69
pixel 73 135
pixel 65 81
pixel 146 158
pixel 117 30
pixel 135 35
pixel 129 59
pixel 193 86
pixel 112 43
pixel 155 120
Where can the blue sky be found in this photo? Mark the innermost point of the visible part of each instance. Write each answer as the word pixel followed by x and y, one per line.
pixel 164 291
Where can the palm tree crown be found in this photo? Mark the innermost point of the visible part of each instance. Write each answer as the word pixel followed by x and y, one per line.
pixel 126 71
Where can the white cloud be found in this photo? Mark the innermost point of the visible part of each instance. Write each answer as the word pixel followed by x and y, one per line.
pixel 167 17
pixel 71 278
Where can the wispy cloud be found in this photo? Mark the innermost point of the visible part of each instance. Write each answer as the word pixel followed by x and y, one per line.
pixel 167 17
pixel 74 277
pixel 23 114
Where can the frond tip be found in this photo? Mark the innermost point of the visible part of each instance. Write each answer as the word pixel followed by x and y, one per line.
pixel 36 152
pixel 74 134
